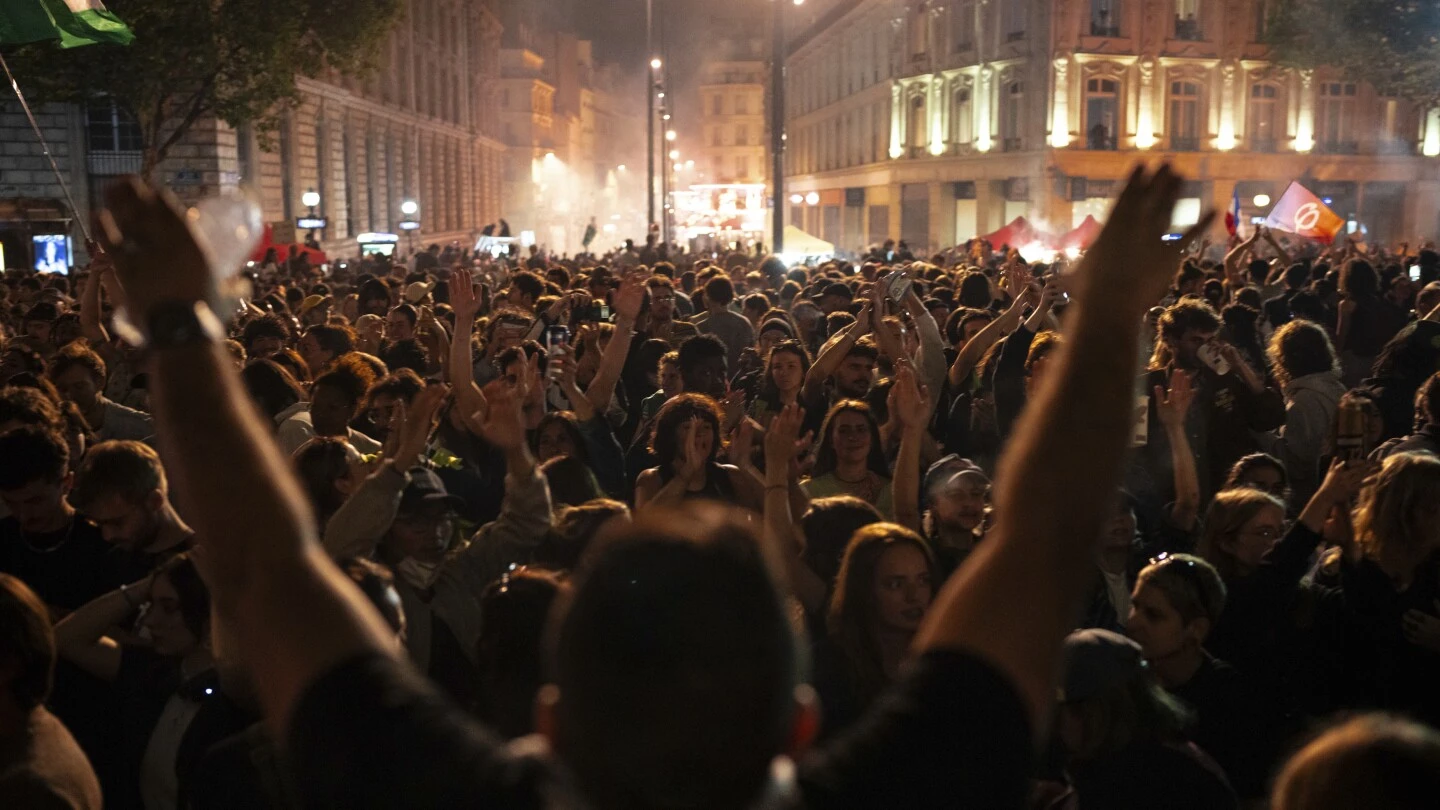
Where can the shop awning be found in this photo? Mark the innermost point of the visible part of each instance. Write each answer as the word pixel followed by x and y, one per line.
pixel 803 244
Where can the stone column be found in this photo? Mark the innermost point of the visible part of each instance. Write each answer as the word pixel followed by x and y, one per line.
pixel 1060 104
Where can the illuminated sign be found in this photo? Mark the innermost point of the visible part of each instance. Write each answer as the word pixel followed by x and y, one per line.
pixel 311 223
pixel 409 225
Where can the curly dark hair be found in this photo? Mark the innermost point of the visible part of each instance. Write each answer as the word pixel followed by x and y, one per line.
pixel 673 414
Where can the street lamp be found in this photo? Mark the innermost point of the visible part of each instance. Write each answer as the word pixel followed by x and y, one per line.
pixel 655 63
pixel 674 153
pixel 311 200
pixel 796 199
pixel 812 198
pixel 670 135
pixel 1262 200
pixel 410 209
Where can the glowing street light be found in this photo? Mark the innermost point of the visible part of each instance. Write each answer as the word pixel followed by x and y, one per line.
pixel 310 199
pixel 670 135
pixel 655 63
pixel 813 198
pixel 674 153
pixel 409 208
pixel 1262 200
pixel 796 199
pixel 620 168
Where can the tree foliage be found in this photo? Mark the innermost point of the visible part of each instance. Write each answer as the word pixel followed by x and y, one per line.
pixel 235 59
pixel 1393 45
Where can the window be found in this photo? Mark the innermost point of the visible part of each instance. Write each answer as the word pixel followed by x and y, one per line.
pixel 1187 20
pixel 717 165
pixel 742 135
pixel 1102 108
pixel 920 30
pixel 716 104
pixel 1336 121
pixel 1184 116
pixel 287 167
pixel 742 167
pixel 1013 99
pixel 1104 18
pixel 1013 19
pixel 1262 19
pixel 962 25
pixel 245 153
pixel 1264 117
pixel 742 105
pixel 918 126
pixel 111 129
pixel 715 139
pixel 961 117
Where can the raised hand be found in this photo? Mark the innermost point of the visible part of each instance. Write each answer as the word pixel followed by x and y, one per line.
pixel 157 257
pixel 1129 267
pixel 1172 406
pixel 689 462
pixel 910 401
pixel 411 426
pixel 630 296
pixel 742 441
pixel 464 298
pixel 782 440
pixel 502 424
pixel 1344 480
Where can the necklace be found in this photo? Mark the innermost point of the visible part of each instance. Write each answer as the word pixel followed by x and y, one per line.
pixel 50 549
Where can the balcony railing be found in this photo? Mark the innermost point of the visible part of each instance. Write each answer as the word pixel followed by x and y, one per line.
pixel 1188 28
pixel 1184 143
pixel 1100 140
pixel 1263 145
pixel 108 163
pixel 1337 147
pixel 1012 144
pixel 1101 29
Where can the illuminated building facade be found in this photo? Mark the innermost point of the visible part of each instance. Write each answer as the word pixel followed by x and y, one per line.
pixel 732 118
pixel 934 121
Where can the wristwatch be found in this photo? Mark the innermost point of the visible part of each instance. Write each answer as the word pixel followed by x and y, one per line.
pixel 173 324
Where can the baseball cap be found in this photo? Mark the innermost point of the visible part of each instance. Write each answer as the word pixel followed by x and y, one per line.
pixel 43 311
pixel 776 325
pixel 947 468
pixel 1098 660
pixel 313 301
pixel 839 288
pixel 417 291
pixel 426 488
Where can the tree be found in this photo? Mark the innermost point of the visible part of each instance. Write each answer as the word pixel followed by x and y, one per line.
pixel 234 59
pixel 1394 45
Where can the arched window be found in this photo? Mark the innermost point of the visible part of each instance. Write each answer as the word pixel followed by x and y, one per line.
pixel 1012 101
pixel 1335 122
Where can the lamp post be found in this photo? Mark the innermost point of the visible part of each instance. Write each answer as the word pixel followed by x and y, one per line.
pixel 311 200
pixel 777 124
pixel 411 210
pixel 650 115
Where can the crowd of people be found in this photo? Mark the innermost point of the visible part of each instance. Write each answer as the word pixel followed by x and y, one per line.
pixel 1154 527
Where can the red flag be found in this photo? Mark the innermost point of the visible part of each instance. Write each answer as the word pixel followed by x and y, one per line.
pixel 1302 213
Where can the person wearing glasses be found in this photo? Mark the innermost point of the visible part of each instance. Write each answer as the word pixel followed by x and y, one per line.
pixel 1276 627
pixel 1178 600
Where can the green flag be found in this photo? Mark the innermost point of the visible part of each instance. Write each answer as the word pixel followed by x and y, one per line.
pixel 70 22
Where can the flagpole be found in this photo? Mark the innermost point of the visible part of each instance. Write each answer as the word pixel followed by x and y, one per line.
pixel 65 187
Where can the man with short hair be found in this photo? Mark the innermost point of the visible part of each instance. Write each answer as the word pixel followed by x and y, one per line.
pixel 525 289
pixel 703 367
pixel 731 327
pixel 400 323
pixel 41 766
pixel 121 487
pixel 836 297
pixel 79 376
pixel 44 541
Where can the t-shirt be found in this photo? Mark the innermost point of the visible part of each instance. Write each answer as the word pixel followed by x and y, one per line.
pixel 829 486
pixel 65 568
pixel 373 733
pixel 734 330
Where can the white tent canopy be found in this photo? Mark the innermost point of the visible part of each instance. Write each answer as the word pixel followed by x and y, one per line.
pixel 800 243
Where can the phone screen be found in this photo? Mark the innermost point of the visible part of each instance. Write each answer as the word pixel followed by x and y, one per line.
pixel 1414 272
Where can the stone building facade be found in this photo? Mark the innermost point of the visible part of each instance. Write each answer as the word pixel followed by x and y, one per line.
pixel 733 131
pixel 937 120
pixel 422 127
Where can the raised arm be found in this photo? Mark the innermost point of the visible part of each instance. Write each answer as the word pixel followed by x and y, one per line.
pixel 1070 444
pixel 467 302
pixel 1237 255
pixel 1172 408
pixel 833 352
pixel 780 526
pixel 628 300
pixel 91 324
pixel 975 347
pixel 290 612
pixel 912 409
